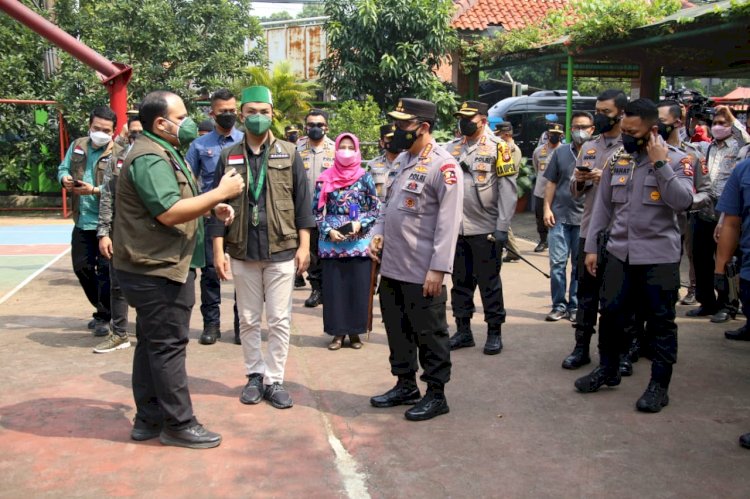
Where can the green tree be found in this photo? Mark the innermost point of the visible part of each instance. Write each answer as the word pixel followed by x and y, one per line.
pixel 312 10
pixel 187 47
pixel 363 119
pixel 277 16
pixel 184 46
pixel 388 49
pixel 291 94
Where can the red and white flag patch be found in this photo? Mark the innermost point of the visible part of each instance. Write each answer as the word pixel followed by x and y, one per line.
pixel 235 159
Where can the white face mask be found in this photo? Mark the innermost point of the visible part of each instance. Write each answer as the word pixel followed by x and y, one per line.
pixel 99 139
pixel 580 136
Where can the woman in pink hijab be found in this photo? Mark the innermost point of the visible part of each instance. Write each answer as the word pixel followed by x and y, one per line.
pixel 346 207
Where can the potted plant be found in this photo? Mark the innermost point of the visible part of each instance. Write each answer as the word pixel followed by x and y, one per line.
pixel 524 185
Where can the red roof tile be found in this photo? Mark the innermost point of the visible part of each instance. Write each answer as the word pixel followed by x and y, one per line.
pixel 476 15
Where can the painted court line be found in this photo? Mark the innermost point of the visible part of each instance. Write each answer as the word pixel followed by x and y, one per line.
pixel 31 277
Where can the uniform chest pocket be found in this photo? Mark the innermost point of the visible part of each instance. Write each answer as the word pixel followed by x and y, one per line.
pixel 619 185
pixel 209 153
pixel 651 194
pixel 410 202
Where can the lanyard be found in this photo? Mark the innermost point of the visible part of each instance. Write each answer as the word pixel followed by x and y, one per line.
pixel 257 187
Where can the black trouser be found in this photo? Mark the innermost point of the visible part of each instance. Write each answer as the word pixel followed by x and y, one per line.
pixel 588 291
pixel 704 249
pixel 119 305
pixel 315 270
pixel 416 325
pixel 477 262
pixel 160 384
pixel 654 289
pixel 539 213
pixel 92 270
pixel 210 288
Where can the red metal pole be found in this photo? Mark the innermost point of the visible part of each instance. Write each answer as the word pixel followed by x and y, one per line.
pixel 116 76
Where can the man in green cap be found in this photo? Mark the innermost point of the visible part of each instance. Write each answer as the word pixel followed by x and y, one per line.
pixel 268 240
pixel 159 233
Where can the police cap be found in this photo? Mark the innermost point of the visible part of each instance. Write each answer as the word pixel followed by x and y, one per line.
pixel 410 109
pixel 470 108
pixel 555 128
pixel 387 130
pixel 505 127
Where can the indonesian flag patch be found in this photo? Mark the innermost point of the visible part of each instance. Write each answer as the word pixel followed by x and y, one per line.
pixel 119 164
pixel 79 150
pixel 235 159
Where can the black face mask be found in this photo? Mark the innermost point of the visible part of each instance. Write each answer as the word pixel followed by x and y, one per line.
pixel 133 136
pixel 633 144
pixel 391 148
pixel 315 133
pixel 292 137
pixel 467 127
pixel 604 123
pixel 403 139
pixel 665 130
pixel 554 138
pixel 226 120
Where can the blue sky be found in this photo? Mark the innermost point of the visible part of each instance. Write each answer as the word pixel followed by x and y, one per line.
pixel 266 9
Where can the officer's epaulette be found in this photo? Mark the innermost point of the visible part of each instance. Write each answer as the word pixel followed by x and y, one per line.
pixel 619 154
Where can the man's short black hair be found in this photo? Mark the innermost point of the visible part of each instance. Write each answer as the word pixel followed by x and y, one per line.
pixel 132 118
pixel 582 114
pixel 105 113
pixel 675 111
pixel 317 112
pixel 616 95
pixel 153 106
pixel 645 109
pixel 221 94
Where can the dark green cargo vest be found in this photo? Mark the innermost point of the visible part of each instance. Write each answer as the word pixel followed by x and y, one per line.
pixel 78 166
pixel 282 230
pixel 143 244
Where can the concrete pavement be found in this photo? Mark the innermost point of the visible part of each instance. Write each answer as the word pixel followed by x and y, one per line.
pixel 517 428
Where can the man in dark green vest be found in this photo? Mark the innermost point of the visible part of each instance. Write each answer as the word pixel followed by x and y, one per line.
pixel 269 241
pixel 159 233
pixel 81 173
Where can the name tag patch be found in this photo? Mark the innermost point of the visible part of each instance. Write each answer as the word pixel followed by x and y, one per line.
pixel 278 156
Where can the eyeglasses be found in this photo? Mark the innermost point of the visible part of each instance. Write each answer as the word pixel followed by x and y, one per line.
pixel 316 125
pixel 581 127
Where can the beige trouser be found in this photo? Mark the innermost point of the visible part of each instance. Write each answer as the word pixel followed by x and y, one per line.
pixel 275 281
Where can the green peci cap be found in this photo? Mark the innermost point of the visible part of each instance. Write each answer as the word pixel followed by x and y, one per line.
pixel 257 93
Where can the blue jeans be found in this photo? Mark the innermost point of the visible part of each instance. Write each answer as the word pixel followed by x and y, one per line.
pixel 563 245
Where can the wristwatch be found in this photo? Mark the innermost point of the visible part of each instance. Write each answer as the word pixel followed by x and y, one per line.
pixel 659 163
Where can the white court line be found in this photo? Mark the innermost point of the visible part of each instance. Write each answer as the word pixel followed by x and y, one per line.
pixel 31 277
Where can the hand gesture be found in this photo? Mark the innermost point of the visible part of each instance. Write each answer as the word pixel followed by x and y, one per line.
pixel 376 247
pixel 67 182
pixel 231 184
pixel 656 148
pixel 336 236
pixel 225 213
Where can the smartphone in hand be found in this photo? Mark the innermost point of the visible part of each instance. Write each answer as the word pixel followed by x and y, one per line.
pixel 346 229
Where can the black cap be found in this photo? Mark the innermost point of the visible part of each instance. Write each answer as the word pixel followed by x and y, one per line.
pixel 470 108
pixel 555 128
pixel 409 109
pixel 206 126
pixel 505 127
pixel 387 130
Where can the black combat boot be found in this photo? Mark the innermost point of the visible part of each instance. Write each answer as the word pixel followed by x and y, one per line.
pixel 315 298
pixel 626 367
pixel 655 397
pixel 463 337
pixel 432 404
pixel 405 392
pixel 580 354
pixel 601 375
pixel 494 343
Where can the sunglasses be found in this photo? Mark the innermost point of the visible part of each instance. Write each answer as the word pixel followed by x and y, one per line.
pixel 315 125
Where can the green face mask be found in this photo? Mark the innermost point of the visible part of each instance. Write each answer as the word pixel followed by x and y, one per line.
pixel 257 124
pixel 187 131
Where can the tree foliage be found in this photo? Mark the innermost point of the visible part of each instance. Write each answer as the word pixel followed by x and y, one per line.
pixel 388 49
pixel 586 22
pixel 363 119
pixel 184 46
pixel 291 94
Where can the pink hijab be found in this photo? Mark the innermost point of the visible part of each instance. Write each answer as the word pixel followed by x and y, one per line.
pixel 340 175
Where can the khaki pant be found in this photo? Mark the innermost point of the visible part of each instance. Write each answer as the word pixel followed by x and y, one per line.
pixel 274 281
